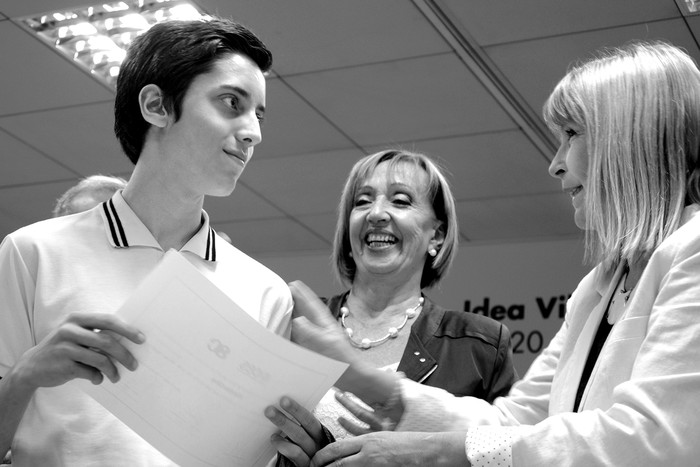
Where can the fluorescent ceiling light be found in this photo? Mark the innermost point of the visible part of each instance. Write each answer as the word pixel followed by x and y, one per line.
pixel 96 37
pixel 689 7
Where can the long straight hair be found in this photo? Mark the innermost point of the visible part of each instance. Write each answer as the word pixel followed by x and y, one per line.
pixel 640 108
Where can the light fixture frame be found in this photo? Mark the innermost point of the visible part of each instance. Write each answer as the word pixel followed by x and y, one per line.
pixel 114 27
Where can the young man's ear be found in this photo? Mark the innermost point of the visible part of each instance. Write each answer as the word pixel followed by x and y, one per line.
pixel 152 108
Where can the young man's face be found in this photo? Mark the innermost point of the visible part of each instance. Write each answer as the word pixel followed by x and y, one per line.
pixel 209 146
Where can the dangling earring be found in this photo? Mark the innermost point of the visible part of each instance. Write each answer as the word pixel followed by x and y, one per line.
pixel 432 251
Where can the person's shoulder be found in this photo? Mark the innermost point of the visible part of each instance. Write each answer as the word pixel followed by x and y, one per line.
pixel 685 241
pixel 54 230
pixel 236 261
pixel 457 324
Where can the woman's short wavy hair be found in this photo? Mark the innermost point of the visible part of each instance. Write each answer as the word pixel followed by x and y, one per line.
pixel 440 196
pixel 639 106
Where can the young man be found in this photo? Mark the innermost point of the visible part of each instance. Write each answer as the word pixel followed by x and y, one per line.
pixel 190 98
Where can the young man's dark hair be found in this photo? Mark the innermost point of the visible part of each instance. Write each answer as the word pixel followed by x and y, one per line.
pixel 171 56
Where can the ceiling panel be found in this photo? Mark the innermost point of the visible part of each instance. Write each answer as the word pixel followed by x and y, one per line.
pixel 312 35
pixel 16 8
pixel 22 164
pixel 23 205
pixel 693 23
pixel 243 204
pixel 28 63
pixel 293 127
pixel 403 100
pixel 491 164
pixel 322 224
pixel 303 184
pixel 272 236
pixel 81 137
pixel 517 218
pixel 513 20
pixel 534 67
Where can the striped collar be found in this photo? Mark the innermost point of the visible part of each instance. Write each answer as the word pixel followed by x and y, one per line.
pixel 124 229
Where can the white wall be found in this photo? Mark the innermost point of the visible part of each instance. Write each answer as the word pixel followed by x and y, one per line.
pixel 524 285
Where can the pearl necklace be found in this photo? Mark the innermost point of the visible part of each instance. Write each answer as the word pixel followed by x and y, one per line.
pixel 392 333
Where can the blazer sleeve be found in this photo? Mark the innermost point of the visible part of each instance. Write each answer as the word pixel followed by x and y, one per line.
pixel 503 373
pixel 651 417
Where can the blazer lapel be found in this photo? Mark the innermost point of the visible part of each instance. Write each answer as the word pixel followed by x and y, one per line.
pixel 566 383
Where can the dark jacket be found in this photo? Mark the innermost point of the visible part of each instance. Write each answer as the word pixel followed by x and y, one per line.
pixel 464 353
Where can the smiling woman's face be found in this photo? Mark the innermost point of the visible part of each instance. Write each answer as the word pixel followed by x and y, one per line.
pixel 392 223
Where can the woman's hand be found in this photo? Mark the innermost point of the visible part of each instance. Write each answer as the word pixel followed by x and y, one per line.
pixel 302 434
pixel 372 420
pixel 392 449
pixel 314 327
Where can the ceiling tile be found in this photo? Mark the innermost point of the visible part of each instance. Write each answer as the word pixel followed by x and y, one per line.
pixel 22 164
pixel 694 25
pixel 322 224
pixel 517 218
pixel 26 89
pixel 81 137
pixel 293 127
pixel 535 67
pixel 512 20
pixel 272 236
pixel 491 165
pixel 404 100
pixel 302 184
pixel 241 205
pixel 310 35
pixel 23 205
pixel 14 8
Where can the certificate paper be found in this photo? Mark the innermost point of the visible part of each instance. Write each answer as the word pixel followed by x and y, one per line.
pixel 206 372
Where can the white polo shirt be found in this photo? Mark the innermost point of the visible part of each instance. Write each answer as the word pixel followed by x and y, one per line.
pixel 92 262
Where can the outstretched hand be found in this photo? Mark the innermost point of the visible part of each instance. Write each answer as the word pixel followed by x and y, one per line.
pixel 387 449
pixel 371 420
pixel 314 327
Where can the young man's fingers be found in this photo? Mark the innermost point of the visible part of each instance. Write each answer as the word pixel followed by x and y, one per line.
pixel 305 418
pixel 292 430
pixel 97 361
pixel 108 344
pixel 290 450
pixel 107 322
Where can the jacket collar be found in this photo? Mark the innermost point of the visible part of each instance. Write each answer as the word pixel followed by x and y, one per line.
pixel 124 230
pixel 416 362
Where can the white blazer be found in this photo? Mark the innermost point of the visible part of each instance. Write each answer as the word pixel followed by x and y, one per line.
pixel 641 405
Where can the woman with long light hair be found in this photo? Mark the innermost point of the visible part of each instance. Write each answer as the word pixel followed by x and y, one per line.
pixel 619 384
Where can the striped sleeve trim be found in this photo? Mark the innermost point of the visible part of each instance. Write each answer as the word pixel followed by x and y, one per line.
pixel 115 225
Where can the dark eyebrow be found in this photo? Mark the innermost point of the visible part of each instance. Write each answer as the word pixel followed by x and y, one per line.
pixel 243 93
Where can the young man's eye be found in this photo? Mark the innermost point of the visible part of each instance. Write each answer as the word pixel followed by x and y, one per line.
pixel 261 118
pixel 232 102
